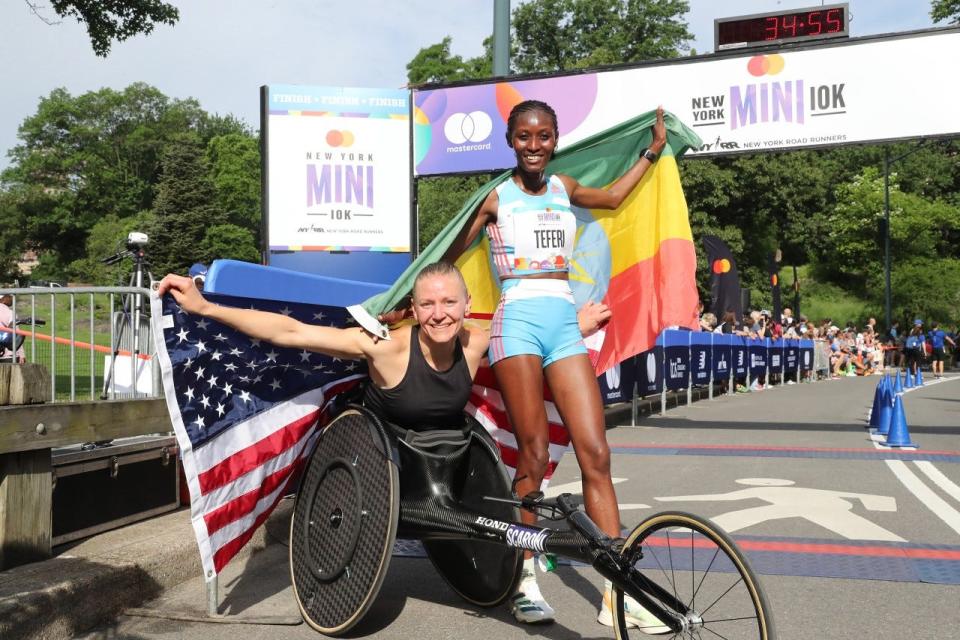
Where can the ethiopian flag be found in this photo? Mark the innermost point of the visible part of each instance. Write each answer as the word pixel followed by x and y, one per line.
pixel 639 259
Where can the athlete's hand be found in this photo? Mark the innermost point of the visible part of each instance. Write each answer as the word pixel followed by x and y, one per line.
pixel 659 132
pixel 592 316
pixel 184 291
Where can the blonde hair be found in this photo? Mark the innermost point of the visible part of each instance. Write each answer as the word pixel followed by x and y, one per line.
pixel 439 269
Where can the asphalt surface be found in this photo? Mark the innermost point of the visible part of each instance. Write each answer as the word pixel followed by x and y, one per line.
pixel 851 540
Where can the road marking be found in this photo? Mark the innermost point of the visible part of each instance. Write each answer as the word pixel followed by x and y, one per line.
pixel 939 478
pixel 931 500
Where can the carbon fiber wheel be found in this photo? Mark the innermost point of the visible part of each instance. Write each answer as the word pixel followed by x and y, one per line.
pixel 690 560
pixel 344 524
pixel 482 573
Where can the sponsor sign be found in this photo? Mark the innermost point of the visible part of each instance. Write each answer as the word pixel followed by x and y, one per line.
pixel 701 356
pixel 650 371
pixel 806 355
pixel 758 352
pixel 337 169
pixel 776 355
pixel 676 359
pixel 791 356
pixel 849 91
pixel 617 382
pixel 722 355
pixel 740 354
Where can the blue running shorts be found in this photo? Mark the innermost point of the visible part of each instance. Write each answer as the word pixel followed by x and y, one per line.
pixel 535 317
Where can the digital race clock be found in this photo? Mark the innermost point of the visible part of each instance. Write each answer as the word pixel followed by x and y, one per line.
pixel 815 23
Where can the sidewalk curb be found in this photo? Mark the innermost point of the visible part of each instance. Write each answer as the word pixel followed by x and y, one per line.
pixel 90 583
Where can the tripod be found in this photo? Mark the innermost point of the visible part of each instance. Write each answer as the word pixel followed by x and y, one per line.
pixel 135 301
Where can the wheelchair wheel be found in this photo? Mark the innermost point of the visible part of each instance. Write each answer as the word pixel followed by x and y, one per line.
pixel 344 524
pixel 482 573
pixel 697 563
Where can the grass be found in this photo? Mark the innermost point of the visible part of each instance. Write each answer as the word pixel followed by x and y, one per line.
pixel 87 364
pixel 820 300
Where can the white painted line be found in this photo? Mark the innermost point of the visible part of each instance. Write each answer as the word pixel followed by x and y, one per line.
pixel 939 479
pixel 931 500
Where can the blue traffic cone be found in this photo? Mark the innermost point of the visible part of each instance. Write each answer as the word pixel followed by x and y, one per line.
pixel 885 412
pixel 899 435
pixel 897 384
pixel 875 410
pixel 908 380
pixel 919 377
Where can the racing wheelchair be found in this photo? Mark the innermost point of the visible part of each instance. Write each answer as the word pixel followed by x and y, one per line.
pixel 369 482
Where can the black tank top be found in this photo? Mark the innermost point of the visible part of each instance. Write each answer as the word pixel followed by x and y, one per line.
pixel 425 398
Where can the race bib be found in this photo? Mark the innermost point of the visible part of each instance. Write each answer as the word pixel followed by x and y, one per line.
pixel 544 240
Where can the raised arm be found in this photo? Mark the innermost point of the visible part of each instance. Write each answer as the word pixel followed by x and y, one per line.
pixel 612 197
pixel 275 328
pixel 486 212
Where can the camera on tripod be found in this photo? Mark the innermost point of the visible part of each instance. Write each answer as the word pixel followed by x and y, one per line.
pixel 136 241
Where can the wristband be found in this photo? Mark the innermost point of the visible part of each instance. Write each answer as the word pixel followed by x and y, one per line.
pixel 649 155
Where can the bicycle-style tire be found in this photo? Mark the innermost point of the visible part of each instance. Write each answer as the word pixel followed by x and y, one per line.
pixel 701 566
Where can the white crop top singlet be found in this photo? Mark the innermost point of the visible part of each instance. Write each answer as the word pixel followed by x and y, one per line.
pixel 532 234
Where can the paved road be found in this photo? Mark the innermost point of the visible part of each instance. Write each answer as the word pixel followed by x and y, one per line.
pixel 852 540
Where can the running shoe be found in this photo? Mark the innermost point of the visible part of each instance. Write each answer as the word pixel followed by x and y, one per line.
pixel 636 615
pixel 529 611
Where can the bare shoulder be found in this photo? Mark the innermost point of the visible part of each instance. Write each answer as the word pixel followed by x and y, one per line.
pixel 569 182
pixel 474 340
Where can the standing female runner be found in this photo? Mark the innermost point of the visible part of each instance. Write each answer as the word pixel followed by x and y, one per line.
pixel 534 334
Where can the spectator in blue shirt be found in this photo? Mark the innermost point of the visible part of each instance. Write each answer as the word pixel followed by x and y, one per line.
pixel 914 348
pixel 937 340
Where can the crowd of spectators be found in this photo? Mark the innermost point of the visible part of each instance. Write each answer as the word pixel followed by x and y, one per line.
pixel 850 350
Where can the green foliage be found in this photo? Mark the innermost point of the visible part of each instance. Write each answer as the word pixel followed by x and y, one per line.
pixel 923 287
pixel 83 159
pixel 235 170
pixel 440 198
pixel 552 35
pixel 435 64
pixel 228 241
pixel 919 229
pixel 107 238
pixel 109 20
pixel 185 207
pixel 823 300
pixel 945 10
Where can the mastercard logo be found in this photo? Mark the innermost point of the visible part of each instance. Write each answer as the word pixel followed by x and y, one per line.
pixel 769 65
pixel 721 266
pixel 337 138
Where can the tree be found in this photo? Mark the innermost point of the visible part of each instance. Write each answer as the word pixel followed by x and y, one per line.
pixel 920 232
pixel 185 207
pixel 439 198
pixel 229 241
pixel 108 237
pixel 435 64
pixel 235 170
pixel 109 20
pixel 83 158
pixel 553 35
pixel 945 10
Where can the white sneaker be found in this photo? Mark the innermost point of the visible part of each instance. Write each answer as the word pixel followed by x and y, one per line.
pixel 636 615
pixel 529 611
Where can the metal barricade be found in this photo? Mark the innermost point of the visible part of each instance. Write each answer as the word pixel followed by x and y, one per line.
pixel 95 341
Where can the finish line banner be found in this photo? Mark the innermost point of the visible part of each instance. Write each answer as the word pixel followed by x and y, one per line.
pixel 682 359
pixel 337 168
pixel 845 91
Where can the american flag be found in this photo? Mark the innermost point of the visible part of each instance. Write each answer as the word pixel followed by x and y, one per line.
pixel 245 414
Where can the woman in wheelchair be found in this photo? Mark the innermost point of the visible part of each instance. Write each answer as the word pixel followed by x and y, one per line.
pixel 421 377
